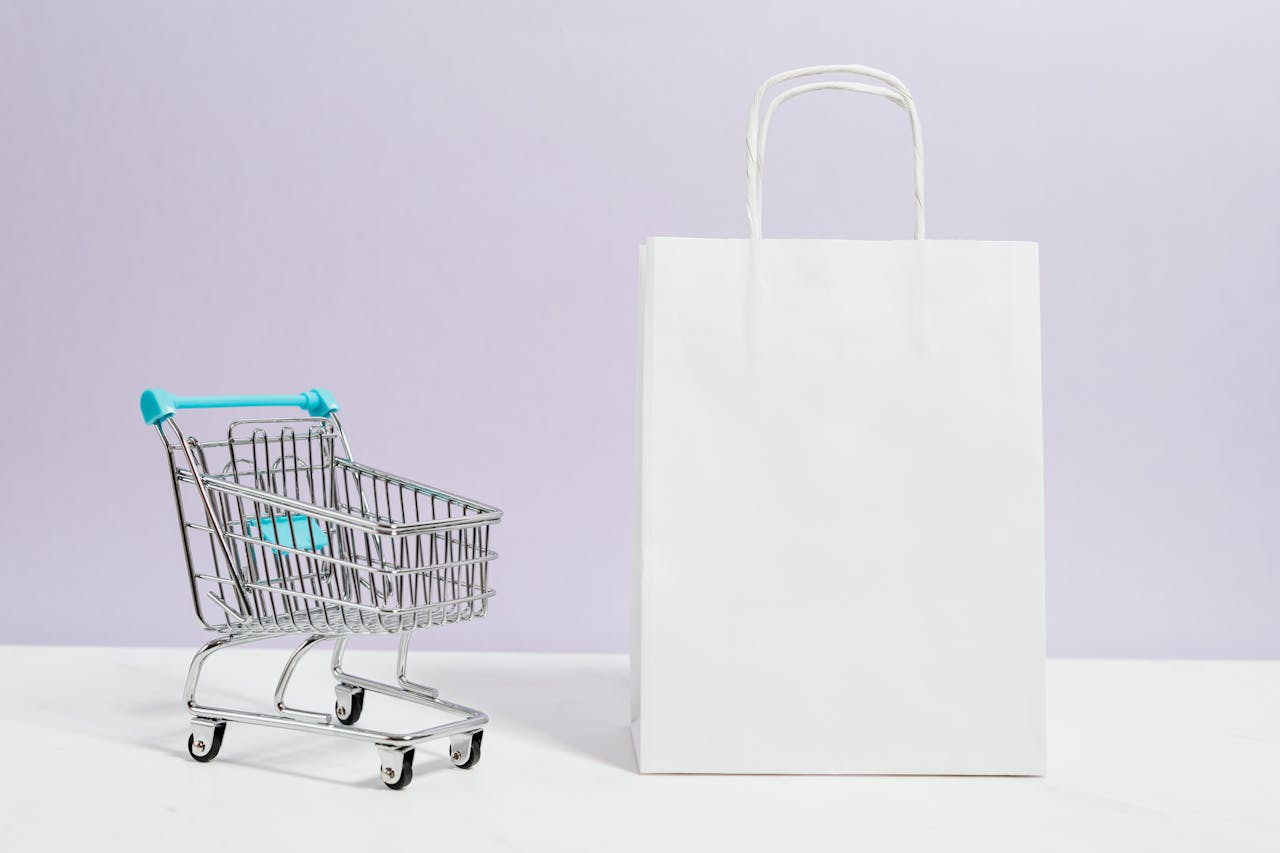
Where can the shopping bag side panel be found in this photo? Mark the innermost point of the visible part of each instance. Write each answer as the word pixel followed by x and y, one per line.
pixel 636 633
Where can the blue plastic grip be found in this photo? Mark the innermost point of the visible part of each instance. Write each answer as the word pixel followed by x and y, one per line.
pixel 158 405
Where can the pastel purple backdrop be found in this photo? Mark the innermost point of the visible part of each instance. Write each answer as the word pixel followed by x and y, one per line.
pixel 434 209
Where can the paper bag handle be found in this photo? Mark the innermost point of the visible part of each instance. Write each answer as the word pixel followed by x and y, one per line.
pixel 757 131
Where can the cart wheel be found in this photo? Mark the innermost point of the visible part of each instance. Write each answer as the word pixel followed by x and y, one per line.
pixel 474 758
pixel 406 772
pixel 348 708
pixel 206 747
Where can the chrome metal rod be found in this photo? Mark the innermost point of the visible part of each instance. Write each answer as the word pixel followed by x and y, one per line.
pixel 402 666
pixel 290 665
pixel 242 598
pixel 473 722
pixel 203 653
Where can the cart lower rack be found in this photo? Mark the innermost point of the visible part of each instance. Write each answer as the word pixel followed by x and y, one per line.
pixel 284 533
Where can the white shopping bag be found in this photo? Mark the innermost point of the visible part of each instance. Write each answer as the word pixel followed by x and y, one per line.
pixel 840 562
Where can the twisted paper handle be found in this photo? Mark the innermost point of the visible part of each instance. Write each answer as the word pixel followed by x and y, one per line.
pixel 757 131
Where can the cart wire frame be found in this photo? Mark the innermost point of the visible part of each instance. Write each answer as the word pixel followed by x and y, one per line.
pixel 284 533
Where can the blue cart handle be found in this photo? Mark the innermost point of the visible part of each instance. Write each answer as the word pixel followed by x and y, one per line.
pixel 159 405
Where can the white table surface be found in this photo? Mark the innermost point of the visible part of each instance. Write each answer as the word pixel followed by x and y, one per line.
pixel 1162 756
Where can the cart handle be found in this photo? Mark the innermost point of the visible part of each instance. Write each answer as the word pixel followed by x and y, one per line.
pixel 158 405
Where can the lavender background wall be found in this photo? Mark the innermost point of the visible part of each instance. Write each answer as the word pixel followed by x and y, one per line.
pixel 433 209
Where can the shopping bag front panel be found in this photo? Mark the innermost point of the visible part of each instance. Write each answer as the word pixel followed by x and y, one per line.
pixel 841 511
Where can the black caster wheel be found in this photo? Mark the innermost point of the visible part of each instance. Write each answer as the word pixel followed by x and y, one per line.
pixel 204 747
pixel 406 772
pixel 474 758
pixel 348 710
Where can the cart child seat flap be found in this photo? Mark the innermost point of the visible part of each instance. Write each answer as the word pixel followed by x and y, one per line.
pixel 291 531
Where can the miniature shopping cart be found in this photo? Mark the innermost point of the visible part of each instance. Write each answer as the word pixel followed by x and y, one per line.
pixel 285 534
